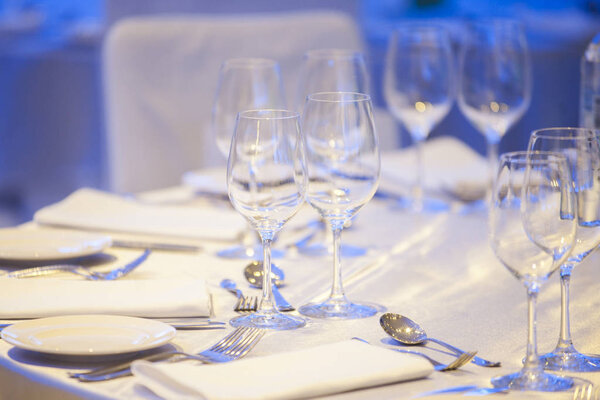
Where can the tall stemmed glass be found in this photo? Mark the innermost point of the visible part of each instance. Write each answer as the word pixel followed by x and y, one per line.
pixel 266 182
pixel 331 70
pixel 495 80
pixel 581 147
pixel 419 88
pixel 244 84
pixel 532 223
pixel 343 164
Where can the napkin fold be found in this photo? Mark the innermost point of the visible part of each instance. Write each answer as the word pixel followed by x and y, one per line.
pixel 39 297
pixel 450 166
pixel 317 371
pixel 96 210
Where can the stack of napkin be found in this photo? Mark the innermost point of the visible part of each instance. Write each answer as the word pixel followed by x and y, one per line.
pixel 450 166
pixel 92 209
pixel 317 371
pixel 43 297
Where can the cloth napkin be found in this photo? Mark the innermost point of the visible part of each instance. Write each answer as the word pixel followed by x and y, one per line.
pixel 92 209
pixel 449 165
pixel 44 297
pixel 317 371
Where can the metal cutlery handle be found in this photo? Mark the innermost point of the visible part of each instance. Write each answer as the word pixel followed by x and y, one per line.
pixel 476 360
pixel 281 303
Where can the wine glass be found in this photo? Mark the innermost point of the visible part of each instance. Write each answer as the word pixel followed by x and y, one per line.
pixel 343 165
pixel 581 147
pixel 532 225
pixel 331 70
pixel 495 80
pixel 244 84
pixel 419 88
pixel 266 182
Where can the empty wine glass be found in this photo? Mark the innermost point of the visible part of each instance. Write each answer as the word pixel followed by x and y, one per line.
pixel 419 88
pixel 266 182
pixel 581 147
pixel 495 80
pixel 343 165
pixel 244 84
pixel 532 224
pixel 331 70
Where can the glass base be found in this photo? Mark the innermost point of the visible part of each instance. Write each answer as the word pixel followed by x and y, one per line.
pixel 536 380
pixel 428 205
pixel 275 320
pixel 322 250
pixel 337 310
pixel 249 253
pixel 572 361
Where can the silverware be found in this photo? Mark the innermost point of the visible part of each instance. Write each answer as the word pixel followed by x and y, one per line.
pixel 254 275
pixel 79 270
pixel 179 324
pixel 244 303
pixel 587 391
pixel 469 390
pixel 408 332
pixel 438 366
pixel 134 244
pixel 232 347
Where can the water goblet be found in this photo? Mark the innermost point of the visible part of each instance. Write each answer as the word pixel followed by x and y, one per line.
pixel 495 80
pixel 419 89
pixel 532 225
pixel 581 148
pixel 331 70
pixel 244 84
pixel 266 182
pixel 343 165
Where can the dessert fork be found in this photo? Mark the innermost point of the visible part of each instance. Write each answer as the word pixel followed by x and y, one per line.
pixel 232 347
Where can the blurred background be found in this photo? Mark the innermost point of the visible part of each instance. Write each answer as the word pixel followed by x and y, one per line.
pixel 52 119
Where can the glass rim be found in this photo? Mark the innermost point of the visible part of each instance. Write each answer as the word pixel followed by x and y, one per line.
pixel 434 26
pixel 524 156
pixel 333 53
pixel 338 97
pixel 249 62
pixel 269 113
pixel 545 132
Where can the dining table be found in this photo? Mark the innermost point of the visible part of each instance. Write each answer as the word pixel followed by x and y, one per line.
pixel 435 267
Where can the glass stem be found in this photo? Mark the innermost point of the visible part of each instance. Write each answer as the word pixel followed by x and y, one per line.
pixel 565 343
pixel 492 154
pixel 532 361
pixel 337 290
pixel 418 187
pixel 267 305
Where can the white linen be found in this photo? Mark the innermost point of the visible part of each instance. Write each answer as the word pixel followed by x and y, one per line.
pixel 316 371
pixel 449 166
pixel 45 297
pixel 92 209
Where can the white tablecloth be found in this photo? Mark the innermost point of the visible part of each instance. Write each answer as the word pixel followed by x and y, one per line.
pixel 437 269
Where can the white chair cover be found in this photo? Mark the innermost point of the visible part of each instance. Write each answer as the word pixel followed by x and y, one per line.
pixel 161 76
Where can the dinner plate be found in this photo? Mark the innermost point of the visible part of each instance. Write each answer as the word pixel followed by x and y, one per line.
pixel 88 335
pixel 49 244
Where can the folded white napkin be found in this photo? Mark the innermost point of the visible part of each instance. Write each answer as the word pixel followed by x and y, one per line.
pixel 38 297
pixel 449 164
pixel 213 180
pixel 317 371
pixel 101 211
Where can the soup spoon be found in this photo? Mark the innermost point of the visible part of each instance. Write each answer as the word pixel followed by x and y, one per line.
pixel 254 275
pixel 406 331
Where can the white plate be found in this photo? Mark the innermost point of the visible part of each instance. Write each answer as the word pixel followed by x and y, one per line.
pixel 88 335
pixel 50 244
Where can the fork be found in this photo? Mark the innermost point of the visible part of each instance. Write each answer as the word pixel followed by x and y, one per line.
pixel 232 347
pixel 79 270
pixel 586 392
pixel 247 304
pixel 458 362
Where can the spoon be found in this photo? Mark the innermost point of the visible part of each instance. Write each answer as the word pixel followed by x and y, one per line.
pixel 254 275
pixel 406 331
